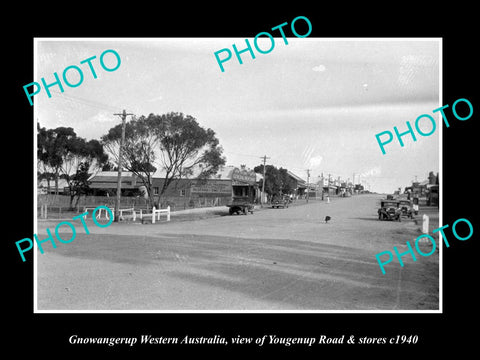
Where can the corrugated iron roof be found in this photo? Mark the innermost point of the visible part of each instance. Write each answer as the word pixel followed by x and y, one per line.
pixel 101 175
pixel 224 173
pixel 298 178
pixel 110 185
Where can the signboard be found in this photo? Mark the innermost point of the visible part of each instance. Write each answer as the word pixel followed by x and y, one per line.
pixel 212 187
pixel 243 176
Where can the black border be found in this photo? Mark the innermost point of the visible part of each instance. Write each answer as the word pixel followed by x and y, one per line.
pixel 48 333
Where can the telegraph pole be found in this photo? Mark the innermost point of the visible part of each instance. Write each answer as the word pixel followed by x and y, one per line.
pixel 323 182
pixel 264 157
pixel 308 184
pixel 123 116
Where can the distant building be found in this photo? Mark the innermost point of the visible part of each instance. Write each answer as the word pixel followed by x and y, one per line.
pixel 216 190
pixel 182 193
pixel 433 195
pixel 42 187
pixel 105 182
pixel 300 185
pixel 427 191
pixel 329 187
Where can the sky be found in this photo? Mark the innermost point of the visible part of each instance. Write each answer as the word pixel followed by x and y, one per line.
pixel 313 104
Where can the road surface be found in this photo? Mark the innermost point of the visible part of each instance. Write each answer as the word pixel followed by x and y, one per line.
pixel 275 259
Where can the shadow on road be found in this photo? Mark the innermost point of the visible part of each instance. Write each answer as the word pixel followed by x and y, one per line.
pixel 291 274
pixel 366 218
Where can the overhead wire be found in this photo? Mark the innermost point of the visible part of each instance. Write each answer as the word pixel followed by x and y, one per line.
pixel 87 102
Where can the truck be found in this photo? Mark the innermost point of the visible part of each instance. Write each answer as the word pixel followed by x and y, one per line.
pixel 244 187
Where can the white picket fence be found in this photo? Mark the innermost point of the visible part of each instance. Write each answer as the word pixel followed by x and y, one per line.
pixel 99 212
pixel 155 214
pixel 132 213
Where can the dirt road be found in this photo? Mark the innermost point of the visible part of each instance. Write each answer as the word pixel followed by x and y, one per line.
pixel 275 259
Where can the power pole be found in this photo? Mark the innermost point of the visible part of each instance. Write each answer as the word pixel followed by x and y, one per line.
pixel 308 183
pixel 323 182
pixel 263 182
pixel 123 116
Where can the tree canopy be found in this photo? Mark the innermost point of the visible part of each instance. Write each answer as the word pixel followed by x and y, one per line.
pixel 61 153
pixel 277 181
pixel 172 142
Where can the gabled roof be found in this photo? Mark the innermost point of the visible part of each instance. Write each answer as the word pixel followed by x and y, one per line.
pixel 224 173
pixel 111 176
pixel 299 179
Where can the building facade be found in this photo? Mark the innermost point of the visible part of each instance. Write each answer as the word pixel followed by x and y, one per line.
pixel 181 193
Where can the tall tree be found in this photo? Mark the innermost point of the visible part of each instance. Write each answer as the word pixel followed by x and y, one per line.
pixel 287 183
pixel 82 159
pixel 44 170
pixel 53 147
pixel 173 142
pixel 138 153
pixel 277 181
pixel 186 147
pixel 272 180
pixel 61 154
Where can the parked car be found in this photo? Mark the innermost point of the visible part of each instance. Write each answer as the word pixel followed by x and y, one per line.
pixel 280 201
pixel 389 210
pixel 406 208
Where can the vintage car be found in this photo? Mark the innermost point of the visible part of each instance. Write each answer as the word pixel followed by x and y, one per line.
pixel 389 210
pixel 280 201
pixel 406 208
pixel 240 207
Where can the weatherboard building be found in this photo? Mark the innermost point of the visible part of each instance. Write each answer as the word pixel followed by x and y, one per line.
pixel 185 192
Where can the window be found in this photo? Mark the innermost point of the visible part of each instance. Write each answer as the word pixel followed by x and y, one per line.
pixel 155 190
pixel 182 192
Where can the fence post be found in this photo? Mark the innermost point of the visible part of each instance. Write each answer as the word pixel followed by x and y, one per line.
pixel 168 213
pixel 425 224
pixel 153 215
pixel 45 212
